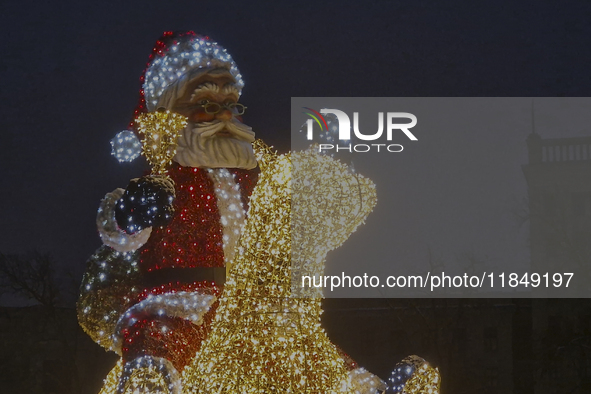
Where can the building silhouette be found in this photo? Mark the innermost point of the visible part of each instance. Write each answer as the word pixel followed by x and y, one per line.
pixel 558 175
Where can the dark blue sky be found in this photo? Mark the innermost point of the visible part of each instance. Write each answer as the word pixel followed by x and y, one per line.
pixel 70 80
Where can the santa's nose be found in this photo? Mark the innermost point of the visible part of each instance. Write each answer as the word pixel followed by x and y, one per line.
pixel 224 115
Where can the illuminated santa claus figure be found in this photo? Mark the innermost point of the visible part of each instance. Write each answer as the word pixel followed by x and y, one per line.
pixel 151 291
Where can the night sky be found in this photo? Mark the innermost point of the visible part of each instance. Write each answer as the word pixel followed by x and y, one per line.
pixel 70 81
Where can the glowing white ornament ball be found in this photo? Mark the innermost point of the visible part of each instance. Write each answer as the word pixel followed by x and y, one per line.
pixel 125 146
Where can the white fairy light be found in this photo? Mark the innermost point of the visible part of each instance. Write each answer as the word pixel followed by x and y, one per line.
pixel 147 375
pixel 186 54
pixel 414 375
pixel 230 206
pixel 109 231
pixel 107 286
pixel 364 382
pixel 125 146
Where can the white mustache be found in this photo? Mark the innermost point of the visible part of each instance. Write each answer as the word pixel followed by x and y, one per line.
pixel 198 146
pixel 238 129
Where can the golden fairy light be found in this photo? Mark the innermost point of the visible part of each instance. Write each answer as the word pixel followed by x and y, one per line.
pixel 160 131
pixel 112 380
pixel 110 284
pixel 147 375
pixel 426 380
pixel 329 201
pixel 266 337
pixel 263 339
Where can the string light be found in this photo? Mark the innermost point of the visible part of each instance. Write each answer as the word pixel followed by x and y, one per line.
pixel 263 340
pixel 110 232
pixel 125 146
pixel 329 202
pixel 364 382
pixel 147 374
pixel 111 382
pixel 176 61
pixel 182 316
pixel 187 305
pixel 194 237
pixel 232 213
pixel 161 130
pixel 414 375
pixel 147 201
pixel 110 285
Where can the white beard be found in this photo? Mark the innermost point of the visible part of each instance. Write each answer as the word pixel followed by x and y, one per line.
pixel 199 146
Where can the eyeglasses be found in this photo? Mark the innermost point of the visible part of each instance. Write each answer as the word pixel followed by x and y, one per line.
pixel 213 108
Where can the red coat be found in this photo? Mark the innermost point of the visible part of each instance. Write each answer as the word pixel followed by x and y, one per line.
pixel 194 236
pixel 181 257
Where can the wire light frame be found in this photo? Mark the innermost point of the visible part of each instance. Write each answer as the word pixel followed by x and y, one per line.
pixel 160 131
pixel 263 339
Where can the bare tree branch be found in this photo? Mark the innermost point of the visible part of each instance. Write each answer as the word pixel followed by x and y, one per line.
pixel 33 277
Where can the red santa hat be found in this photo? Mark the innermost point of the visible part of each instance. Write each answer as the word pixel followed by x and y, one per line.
pixel 177 59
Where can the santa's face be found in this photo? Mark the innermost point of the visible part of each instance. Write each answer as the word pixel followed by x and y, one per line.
pixel 215 136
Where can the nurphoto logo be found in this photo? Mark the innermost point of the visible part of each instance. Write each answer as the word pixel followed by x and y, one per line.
pixel 393 125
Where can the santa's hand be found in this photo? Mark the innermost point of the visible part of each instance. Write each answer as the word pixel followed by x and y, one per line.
pixel 147 202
